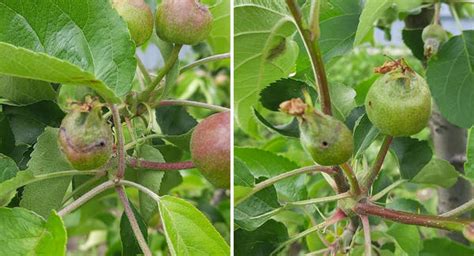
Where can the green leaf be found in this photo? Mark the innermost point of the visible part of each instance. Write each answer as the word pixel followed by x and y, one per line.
pixel 170 180
pixel 412 39
pixel 407 6
pixel 364 134
pixel 130 244
pixel 342 100
pixel 407 205
pixel 406 237
pixel 44 196
pixel 69 42
pixel 242 175
pixel 256 210
pixel 174 120
pixel 282 90
pixel 373 10
pixel 333 42
pixel 445 246
pixel 260 207
pixel 8 188
pixel 291 129
pixel 29 122
pixel 343 15
pixel 150 179
pixel 188 231
pixel 22 91
pixel 437 172
pixel 8 168
pixel 219 39
pixel 25 233
pixel 243 180
pixel 363 88
pixel 264 164
pixel 240 192
pixel 171 77
pixel 450 76
pixel 412 155
pixel 469 165
pixel 7 139
pixel 261 241
pixel 264 52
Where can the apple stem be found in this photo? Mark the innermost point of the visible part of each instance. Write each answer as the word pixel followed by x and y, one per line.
pixel 311 43
pixel 466 207
pixel 143 70
pixel 335 218
pixel 147 94
pixel 193 104
pixel 133 221
pixel 212 58
pixel 86 197
pixel 139 163
pixel 439 222
pixel 269 182
pixel 374 172
pixel 346 168
pixel 368 241
pixel 120 142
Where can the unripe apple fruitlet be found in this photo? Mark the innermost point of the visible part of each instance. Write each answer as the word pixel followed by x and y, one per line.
pixel 399 102
pixel 327 140
pixel 433 37
pixel 85 138
pixel 138 16
pixel 210 149
pixel 183 21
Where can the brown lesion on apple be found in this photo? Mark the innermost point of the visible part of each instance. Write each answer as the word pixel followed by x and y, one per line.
pixel 99 144
pixel 392 65
pixel 294 107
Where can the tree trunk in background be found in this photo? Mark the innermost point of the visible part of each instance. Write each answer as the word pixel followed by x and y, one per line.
pixel 450 144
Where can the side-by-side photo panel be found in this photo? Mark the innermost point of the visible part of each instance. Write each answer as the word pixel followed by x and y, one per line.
pixel 351 127
pixel 115 127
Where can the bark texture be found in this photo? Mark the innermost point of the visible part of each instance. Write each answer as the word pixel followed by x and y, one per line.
pixel 450 144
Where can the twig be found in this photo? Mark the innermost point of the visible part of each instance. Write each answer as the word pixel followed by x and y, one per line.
pixel 314 19
pixel 382 193
pixel 143 70
pixel 139 140
pixel 193 104
pixel 437 11
pixel 320 200
pixel 204 61
pixel 141 188
pixel 355 189
pixel 266 183
pixel 99 189
pixel 81 187
pixel 367 239
pixel 41 177
pixel 120 145
pixel 139 163
pixel 335 218
pixel 374 172
pixel 412 218
pixel 304 203
pixel 172 59
pixel 312 47
pixel 133 221
pixel 469 205
pixel 86 197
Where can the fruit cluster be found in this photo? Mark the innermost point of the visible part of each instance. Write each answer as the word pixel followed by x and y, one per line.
pixel 177 21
